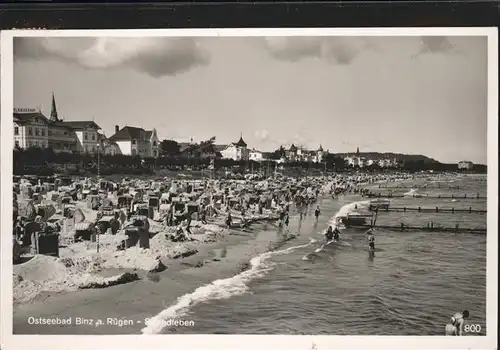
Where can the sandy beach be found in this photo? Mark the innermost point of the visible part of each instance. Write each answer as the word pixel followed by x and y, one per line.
pixel 220 260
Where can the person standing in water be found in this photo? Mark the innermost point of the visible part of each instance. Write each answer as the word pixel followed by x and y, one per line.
pixel 456 327
pixel 317 212
pixel 371 240
pixel 329 234
pixel 336 235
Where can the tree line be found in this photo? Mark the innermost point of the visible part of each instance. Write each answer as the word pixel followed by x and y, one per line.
pixel 36 160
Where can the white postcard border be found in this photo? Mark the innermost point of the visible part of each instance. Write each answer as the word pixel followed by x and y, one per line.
pixel 53 342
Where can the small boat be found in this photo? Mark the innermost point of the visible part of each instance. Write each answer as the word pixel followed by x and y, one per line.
pixel 355 220
pixel 380 203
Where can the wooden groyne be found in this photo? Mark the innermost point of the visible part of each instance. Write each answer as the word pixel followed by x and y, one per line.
pixel 438 196
pixel 419 187
pixel 434 229
pixel 429 228
pixel 426 210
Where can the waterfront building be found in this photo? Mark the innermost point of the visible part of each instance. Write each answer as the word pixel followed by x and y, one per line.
pixel 256 155
pixel 465 165
pixel 236 150
pixel 31 129
pixel 136 141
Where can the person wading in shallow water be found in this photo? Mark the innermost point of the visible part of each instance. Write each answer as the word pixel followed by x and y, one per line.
pixel 371 240
pixel 456 327
pixel 336 234
pixel 329 234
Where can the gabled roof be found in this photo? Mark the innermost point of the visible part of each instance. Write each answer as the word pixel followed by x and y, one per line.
pixel 79 125
pixel 293 148
pixel 128 133
pixel 27 117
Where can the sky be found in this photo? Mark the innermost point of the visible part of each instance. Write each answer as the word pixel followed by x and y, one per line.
pixel 414 95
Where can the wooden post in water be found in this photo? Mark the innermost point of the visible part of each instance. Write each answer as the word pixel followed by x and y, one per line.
pixel 477 196
pixel 453 210
pixel 419 209
pixel 465 195
pixel 470 209
pixel 437 210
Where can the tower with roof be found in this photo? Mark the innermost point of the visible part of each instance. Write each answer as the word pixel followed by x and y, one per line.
pixel 53 110
pixel 320 154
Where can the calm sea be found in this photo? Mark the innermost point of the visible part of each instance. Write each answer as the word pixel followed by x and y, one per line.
pixel 412 286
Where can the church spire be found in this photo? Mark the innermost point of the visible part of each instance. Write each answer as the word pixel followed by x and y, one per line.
pixel 357 151
pixel 53 110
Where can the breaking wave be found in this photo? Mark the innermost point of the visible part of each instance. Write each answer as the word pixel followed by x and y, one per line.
pixel 218 289
pixel 411 193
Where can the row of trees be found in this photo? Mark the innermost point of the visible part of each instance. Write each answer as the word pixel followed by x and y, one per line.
pixel 36 160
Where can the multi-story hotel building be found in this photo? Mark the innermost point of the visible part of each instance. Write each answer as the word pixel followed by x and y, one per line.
pixel 33 129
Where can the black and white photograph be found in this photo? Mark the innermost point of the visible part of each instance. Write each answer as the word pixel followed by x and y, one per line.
pixel 251 183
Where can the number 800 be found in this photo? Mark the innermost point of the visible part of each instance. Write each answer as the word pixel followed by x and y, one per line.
pixel 473 328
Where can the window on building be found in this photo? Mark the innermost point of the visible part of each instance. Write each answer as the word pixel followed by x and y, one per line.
pixel 154 153
pixel 50 132
pixel 17 144
pixel 86 136
pixel 93 137
pixel 37 132
pixel 16 130
pixel 30 131
pixel 93 149
pixel 154 143
pixel 66 133
pixel 43 132
pixel 134 142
